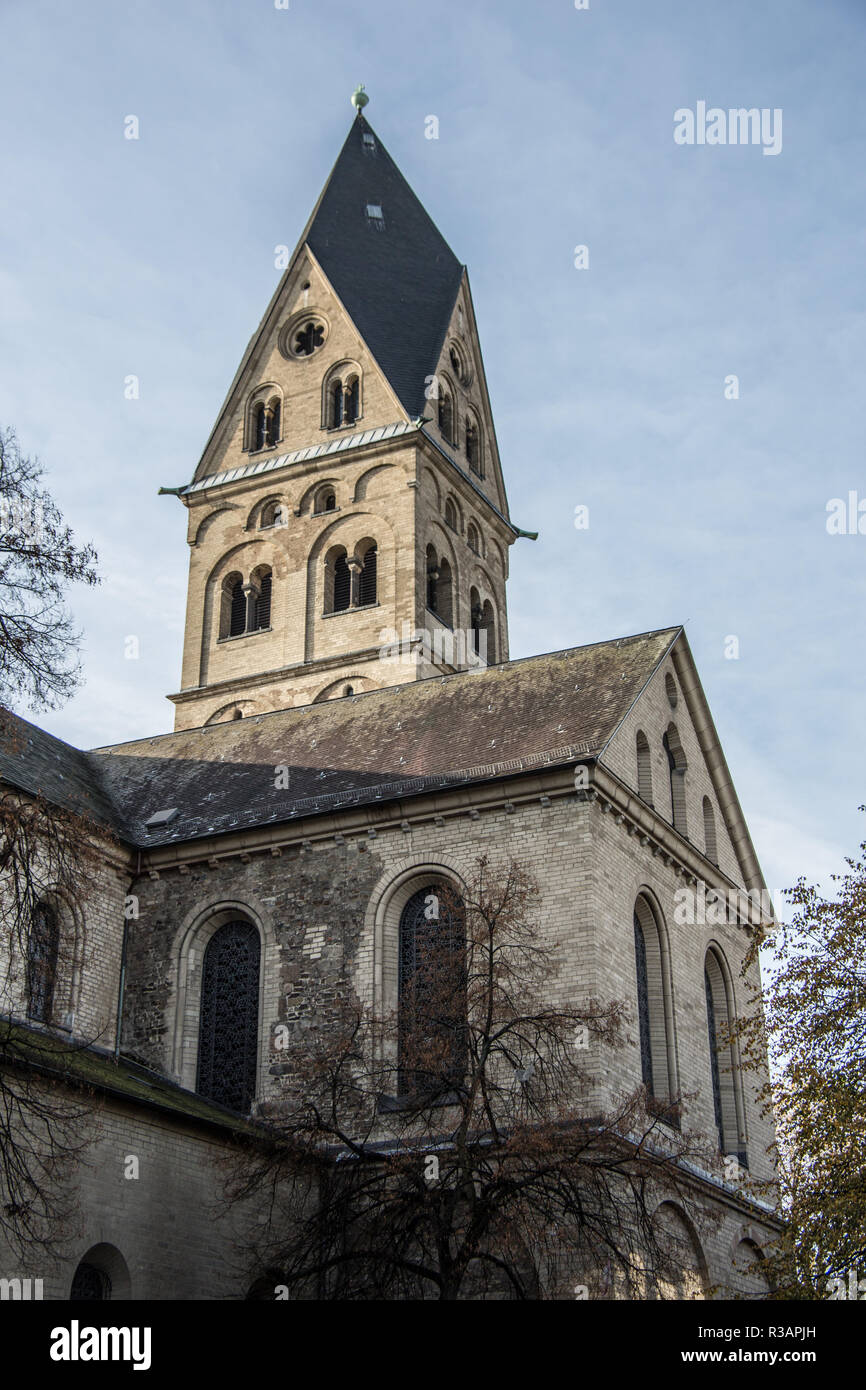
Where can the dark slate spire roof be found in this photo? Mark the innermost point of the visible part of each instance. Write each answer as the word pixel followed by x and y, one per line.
pixel 399 284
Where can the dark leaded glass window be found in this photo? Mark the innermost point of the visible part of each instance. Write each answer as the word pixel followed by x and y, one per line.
pixel 90 1282
pixel 228 1034
pixel 42 947
pixel 432 993
pixel 643 1009
pixel 259 428
pixel 273 424
pixel 352 399
pixel 337 404
pixel 367 581
pixel 342 584
pixel 714 1061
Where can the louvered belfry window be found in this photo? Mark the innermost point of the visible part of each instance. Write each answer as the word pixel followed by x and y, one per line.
pixel 367 581
pixel 228 1029
pixel 263 603
pixel 342 584
pixel 42 947
pixel 238 620
pixel 337 409
pixel 643 1008
pixel 432 1034
pixel 351 400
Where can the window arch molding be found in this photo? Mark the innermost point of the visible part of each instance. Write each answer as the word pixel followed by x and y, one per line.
pixel 688 1254
pixel 309 501
pixel 269 397
pixel 382 923
pixel 191 942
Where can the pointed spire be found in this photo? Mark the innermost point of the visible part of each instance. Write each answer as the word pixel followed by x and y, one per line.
pixel 392 268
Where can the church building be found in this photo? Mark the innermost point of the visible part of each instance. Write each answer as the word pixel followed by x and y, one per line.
pixel 350 733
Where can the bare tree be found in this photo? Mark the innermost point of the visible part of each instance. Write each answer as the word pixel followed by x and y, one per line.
pixel 456 1150
pixel 48 858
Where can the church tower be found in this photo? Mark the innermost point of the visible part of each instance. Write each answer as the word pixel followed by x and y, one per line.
pixel 348 523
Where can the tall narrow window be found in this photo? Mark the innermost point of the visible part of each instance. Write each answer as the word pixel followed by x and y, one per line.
pixel 715 1080
pixel 644 769
pixel 42 947
pixel 432 580
pixel 337 404
pixel 446 415
pixel 352 399
pixel 451 514
pixel 643 1011
pixel 272 430
pixel 238 616
pixel 728 1108
pixel 677 767
pixel 432 993
pixel 710 832
pixel 228 1031
pixel 262 609
pixel 444 594
pixel 367 578
pixel 473 453
pixel 655 1007
pixel 259 432
pixel 488 624
pixel 476 619
pixel 342 584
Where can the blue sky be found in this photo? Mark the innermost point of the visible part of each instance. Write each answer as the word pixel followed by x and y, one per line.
pixel 155 257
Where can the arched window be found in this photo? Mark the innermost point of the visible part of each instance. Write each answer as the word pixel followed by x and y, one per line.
pixel 259 423
pixel 232 615
pixel 274 514
pixel 710 832
pixel 677 766
pixel 655 1011
pixel 476 617
pixel 728 1110
pixel 261 615
pixel 367 578
pixel 272 422
pixel 488 624
pixel 444 594
pixel 432 1031
pixel 432 580
pixel 101 1274
pixel 43 943
pixel 446 415
pixel 472 538
pixel 326 501
pixel 228 1028
pixel 351 400
pixel 341 593
pixel 336 404
pixel 644 769
pixel 451 514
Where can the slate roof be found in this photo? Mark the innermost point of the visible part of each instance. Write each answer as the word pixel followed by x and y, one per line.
pixel 407 740
pixel 398 284
pixel 37 762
